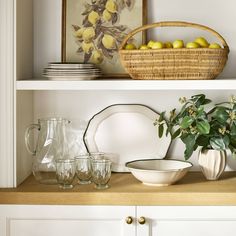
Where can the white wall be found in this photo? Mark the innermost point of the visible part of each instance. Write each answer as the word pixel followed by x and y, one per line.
pixel 79 107
pixel 82 105
pixel 216 14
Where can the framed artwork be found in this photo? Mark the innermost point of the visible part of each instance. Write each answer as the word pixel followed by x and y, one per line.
pixel 92 31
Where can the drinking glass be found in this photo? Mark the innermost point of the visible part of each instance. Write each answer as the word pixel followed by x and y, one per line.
pixel 65 173
pixel 97 155
pixel 101 173
pixel 83 169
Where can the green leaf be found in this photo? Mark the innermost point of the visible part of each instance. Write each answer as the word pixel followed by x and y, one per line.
pixel 182 111
pixel 233 130
pixel 221 115
pixel 233 151
pixel 190 145
pixel 200 111
pixel 206 101
pixel 172 114
pixel 217 143
pixel 234 108
pixel 160 130
pixel 202 140
pixel 211 111
pixel 188 139
pixel 188 153
pixel 233 141
pixel 200 99
pixel 176 134
pixel 226 140
pixel 162 115
pixel 186 122
pixel 203 127
pixel 197 97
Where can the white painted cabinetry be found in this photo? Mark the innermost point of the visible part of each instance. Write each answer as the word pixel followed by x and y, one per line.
pixel 21 220
pixel 186 221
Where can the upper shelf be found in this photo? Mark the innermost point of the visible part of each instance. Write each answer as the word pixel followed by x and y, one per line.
pixel 127 84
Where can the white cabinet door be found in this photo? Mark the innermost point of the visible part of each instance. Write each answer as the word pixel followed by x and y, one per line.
pixel 186 221
pixel 66 220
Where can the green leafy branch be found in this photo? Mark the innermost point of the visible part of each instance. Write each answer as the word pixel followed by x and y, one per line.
pixel 196 127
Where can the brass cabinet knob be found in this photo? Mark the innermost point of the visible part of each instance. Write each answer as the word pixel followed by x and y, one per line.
pixel 129 220
pixel 141 220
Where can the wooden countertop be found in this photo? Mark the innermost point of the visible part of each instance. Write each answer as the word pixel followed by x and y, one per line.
pixel 193 189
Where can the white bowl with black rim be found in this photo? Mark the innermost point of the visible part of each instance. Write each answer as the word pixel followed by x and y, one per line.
pixel 155 172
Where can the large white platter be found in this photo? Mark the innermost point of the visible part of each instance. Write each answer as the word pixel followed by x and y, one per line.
pixel 127 130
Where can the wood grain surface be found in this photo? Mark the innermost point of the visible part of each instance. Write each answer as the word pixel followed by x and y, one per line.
pixel 124 189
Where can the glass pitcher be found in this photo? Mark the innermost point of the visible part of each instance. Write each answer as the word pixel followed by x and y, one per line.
pixel 51 144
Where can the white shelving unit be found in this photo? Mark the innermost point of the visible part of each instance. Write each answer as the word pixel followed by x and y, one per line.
pixel 31 35
pixel 123 85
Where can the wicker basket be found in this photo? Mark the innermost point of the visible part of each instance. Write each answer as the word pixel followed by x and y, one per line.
pixel 184 63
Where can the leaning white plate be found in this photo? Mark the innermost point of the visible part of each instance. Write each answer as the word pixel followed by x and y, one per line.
pixel 127 130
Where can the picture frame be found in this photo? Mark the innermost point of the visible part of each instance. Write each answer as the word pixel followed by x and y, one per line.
pixel 92 31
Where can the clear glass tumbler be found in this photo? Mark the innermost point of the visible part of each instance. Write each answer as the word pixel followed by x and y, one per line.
pixel 65 173
pixel 83 169
pixel 101 173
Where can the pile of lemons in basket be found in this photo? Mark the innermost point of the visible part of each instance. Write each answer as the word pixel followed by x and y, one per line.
pixel 199 42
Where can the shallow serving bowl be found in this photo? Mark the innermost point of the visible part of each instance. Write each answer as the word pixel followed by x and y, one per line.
pixel 156 172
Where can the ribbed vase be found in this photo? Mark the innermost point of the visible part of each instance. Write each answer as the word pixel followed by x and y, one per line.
pixel 212 163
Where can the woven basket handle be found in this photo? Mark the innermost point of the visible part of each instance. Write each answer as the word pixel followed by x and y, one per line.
pixel 175 24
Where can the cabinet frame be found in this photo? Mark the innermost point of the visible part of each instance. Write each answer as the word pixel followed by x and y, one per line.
pixel 7 94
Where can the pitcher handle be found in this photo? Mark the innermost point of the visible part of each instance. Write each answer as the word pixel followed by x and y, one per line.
pixel 27 139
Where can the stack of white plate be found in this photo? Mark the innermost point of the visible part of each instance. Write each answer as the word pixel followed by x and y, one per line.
pixel 71 71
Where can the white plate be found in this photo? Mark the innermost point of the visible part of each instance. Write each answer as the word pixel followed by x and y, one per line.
pixel 71 70
pixel 71 74
pixel 127 130
pixel 70 65
pixel 71 78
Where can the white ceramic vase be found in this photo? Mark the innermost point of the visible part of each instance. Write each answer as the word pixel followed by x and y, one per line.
pixel 212 163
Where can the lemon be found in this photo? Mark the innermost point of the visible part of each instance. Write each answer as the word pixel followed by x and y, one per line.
pixel 79 33
pixel 192 45
pixel 202 42
pixel 168 45
pixel 97 57
pixel 157 45
pixel 150 43
pixel 88 34
pixel 111 6
pixel 106 15
pixel 214 45
pixel 93 17
pixel 178 44
pixel 144 47
pixel 108 41
pixel 87 47
pixel 130 46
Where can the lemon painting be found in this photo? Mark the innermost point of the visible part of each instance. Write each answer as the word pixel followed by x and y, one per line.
pixel 94 29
